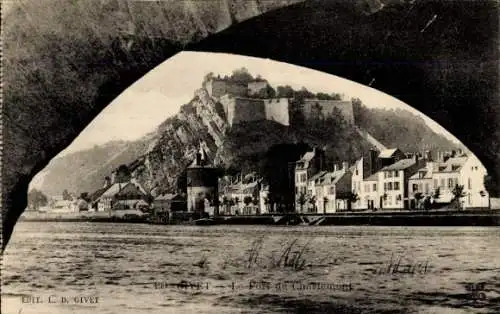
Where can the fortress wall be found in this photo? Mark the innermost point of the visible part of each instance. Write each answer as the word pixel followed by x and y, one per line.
pixel 327 108
pixel 277 110
pixel 217 88
pixel 245 109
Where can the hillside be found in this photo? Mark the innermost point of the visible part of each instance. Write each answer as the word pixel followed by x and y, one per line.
pixel 399 128
pixel 83 170
pixel 159 158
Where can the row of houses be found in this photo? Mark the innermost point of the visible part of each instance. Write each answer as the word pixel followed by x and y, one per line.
pixel 381 180
pixel 389 180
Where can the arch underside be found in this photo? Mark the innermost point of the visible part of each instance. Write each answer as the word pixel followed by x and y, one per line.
pixel 448 70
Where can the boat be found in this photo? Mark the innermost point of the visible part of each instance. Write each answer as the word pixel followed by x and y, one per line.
pixel 204 222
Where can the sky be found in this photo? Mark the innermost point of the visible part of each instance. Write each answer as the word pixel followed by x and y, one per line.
pixel 161 92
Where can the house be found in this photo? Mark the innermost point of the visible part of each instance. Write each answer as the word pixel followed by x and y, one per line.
pixel 333 190
pixel 264 201
pixel 120 196
pixel 169 203
pixel 311 163
pixel 313 193
pixel 393 182
pixel 64 206
pixel 390 156
pixel 421 187
pixel 242 196
pixel 369 193
pixel 464 171
pixel 363 168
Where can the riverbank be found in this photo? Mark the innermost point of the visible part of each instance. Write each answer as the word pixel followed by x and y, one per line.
pixel 414 218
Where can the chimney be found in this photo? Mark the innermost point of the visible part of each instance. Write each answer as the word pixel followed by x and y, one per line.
pixel 373 167
pixel 428 155
pixel 107 181
pixel 345 165
pixel 198 159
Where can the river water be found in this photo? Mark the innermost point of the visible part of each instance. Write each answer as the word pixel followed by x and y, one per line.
pixel 136 268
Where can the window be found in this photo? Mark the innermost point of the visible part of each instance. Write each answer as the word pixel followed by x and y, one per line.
pixel 357 173
pixel 396 186
pixel 442 183
pixel 450 183
pixel 470 184
pixel 456 182
pixel 420 187
pixel 367 188
pixel 415 187
pixel 436 183
pixel 389 174
pixel 385 186
pixel 389 186
pixel 332 190
pixel 374 187
pixel 303 177
pixel 396 174
pixel 389 199
pixel 427 188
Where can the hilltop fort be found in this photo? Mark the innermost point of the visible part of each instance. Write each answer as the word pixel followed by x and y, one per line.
pixel 255 99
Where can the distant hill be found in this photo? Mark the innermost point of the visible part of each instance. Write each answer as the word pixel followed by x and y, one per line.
pixel 399 128
pixel 84 171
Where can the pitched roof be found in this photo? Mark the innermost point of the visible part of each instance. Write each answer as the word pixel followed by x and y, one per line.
pixel 426 174
pixel 331 177
pixel 307 156
pixel 141 203
pixel 317 176
pixel 453 164
pixel 97 194
pixel 400 165
pixel 165 197
pixel 387 153
pixel 114 189
pixel 373 177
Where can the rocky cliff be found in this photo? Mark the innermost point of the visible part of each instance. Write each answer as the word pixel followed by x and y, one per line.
pixel 158 159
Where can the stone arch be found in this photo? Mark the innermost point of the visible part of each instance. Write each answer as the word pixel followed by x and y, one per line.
pixel 444 71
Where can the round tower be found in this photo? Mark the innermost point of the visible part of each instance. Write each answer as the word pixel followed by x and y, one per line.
pixel 202 186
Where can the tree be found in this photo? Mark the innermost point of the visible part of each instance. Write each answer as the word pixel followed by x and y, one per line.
pixel 285 91
pixel 312 201
pixel 437 194
pixel 266 202
pixel 247 200
pixel 418 197
pixel 208 77
pixel 36 199
pixel 352 197
pixel 225 201
pixel 491 186
pixel 85 196
pixel 270 91
pixel 241 76
pixel 66 196
pixel 302 200
pixel 458 193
